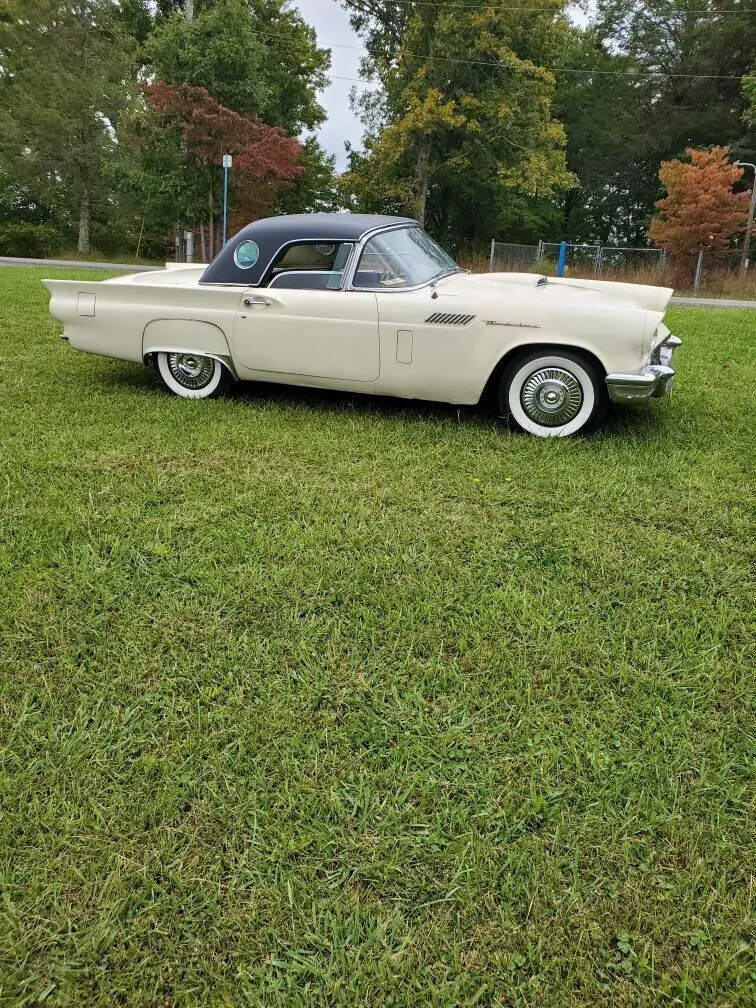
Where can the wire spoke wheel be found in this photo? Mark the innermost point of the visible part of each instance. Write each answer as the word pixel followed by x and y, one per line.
pixel 192 375
pixel 193 371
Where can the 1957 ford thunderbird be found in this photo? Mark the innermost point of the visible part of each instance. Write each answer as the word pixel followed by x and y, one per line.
pixel 372 304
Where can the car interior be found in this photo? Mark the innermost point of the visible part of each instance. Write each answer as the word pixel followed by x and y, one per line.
pixel 320 266
pixel 311 266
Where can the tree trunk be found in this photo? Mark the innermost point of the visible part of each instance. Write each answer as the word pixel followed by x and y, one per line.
pixel 211 229
pixel 85 220
pixel 203 246
pixel 189 10
pixel 421 177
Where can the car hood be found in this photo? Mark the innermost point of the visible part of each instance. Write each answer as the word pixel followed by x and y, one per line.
pixel 562 289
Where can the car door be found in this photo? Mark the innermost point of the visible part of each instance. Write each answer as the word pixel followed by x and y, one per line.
pixel 317 333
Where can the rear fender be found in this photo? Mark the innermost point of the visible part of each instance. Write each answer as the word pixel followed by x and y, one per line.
pixel 182 336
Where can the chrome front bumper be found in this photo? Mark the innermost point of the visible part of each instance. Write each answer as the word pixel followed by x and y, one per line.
pixel 653 382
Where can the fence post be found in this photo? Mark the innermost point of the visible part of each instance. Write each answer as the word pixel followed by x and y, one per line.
pixel 597 262
pixel 539 250
pixel 562 258
pixel 697 278
pixel 491 256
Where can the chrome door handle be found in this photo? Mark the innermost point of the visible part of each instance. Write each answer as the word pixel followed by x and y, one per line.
pixel 256 301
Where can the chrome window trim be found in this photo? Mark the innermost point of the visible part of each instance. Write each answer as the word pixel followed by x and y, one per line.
pixel 349 268
pixel 299 272
pixel 302 241
pixel 359 246
pixel 247 241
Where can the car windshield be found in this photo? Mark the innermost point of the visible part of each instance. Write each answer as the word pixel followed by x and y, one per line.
pixel 405 257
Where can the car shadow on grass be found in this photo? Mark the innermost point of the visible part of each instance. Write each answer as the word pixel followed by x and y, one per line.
pixel 643 423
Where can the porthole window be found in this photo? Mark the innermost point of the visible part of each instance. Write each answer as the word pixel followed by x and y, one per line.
pixel 246 255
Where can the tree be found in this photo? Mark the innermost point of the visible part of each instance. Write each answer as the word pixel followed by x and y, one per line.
pixel 64 83
pixel 749 92
pixel 315 189
pixel 700 210
pixel 255 56
pixel 199 130
pixel 463 124
pixel 665 76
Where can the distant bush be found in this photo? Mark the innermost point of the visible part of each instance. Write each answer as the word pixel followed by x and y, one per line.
pixel 18 238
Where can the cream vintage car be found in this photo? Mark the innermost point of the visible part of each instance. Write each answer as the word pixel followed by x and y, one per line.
pixel 372 304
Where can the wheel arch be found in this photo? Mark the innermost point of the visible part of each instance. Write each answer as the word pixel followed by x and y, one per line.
pixel 488 395
pixel 187 336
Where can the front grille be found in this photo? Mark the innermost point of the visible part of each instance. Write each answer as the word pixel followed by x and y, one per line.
pixel 439 318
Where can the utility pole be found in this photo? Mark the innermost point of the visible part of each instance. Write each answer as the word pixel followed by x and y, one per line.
pixel 749 225
pixel 227 163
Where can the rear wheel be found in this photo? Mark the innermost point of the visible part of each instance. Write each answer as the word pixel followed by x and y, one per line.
pixel 193 376
pixel 552 394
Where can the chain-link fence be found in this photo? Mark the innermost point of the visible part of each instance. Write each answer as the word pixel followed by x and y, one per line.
pixel 603 261
pixel 714 273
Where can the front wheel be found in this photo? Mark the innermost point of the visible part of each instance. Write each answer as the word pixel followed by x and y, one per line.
pixel 552 394
pixel 193 376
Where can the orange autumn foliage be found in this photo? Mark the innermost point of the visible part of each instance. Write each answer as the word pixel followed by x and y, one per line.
pixel 700 210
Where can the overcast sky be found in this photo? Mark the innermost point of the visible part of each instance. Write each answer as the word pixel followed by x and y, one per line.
pixel 331 23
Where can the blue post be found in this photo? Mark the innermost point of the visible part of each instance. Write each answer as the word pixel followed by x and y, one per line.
pixel 225 201
pixel 562 258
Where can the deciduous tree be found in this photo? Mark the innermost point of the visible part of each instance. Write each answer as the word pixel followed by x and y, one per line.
pixel 662 75
pixel 199 130
pixel 463 123
pixel 700 210
pixel 257 57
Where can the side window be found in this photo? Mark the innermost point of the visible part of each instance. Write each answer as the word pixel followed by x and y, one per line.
pixel 402 257
pixel 311 266
pixel 307 280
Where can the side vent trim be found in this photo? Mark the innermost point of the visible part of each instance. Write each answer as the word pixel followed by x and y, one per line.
pixel 444 318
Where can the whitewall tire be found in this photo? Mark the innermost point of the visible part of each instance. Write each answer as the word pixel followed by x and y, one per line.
pixel 552 394
pixel 191 375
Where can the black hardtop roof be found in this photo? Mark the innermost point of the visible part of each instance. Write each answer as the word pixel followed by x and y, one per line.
pixel 272 233
pixel 335 226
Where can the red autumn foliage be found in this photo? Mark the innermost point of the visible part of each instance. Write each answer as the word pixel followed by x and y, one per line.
pixel 700 210
pixel 211 130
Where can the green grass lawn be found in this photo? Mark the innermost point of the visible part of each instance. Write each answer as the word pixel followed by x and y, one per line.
pixel 318 700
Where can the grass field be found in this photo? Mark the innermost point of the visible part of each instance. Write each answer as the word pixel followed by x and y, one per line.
pixel 313 700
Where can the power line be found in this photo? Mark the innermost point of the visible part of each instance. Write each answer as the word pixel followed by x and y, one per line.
pixel 512 66
pixel 552 10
